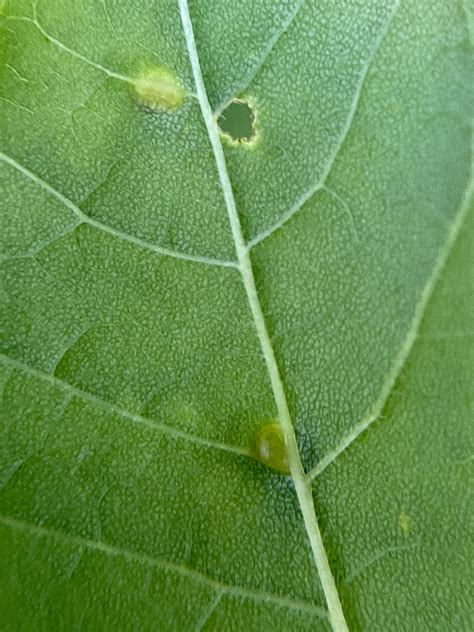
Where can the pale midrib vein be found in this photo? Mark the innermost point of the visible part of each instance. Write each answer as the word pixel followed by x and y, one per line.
pixel 143 559
pixel 404 353
pixel 121 412
pixel 327 168
pixel 232 92
pixel 302 485
pixel 85 219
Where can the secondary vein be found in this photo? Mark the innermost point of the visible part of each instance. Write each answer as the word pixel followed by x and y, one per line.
pixel 119 411
pixel 329 164
pixel 240 86
pixel 302 485
pixel 85 219
pixel 143 559
pixel 404 353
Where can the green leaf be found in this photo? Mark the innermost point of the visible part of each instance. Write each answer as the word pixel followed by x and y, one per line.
pixel 171 292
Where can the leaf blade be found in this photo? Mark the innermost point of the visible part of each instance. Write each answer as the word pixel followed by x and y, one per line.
pixel 171 343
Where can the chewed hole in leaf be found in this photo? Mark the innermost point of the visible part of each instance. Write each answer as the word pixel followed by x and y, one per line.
pixel 237 121
pixel 270 448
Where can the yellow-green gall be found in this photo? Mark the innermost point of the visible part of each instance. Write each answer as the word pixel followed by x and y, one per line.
pixel 158 88
pixel 270 448
pixel 405 522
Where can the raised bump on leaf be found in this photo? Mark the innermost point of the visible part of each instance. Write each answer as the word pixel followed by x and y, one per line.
pixel 158 88
pixel 270 448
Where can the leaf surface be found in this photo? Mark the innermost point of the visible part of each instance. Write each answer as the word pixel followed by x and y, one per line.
pixel 167 293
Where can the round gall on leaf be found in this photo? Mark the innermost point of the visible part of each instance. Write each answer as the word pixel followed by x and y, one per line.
pixel 158 88
pixel 270 448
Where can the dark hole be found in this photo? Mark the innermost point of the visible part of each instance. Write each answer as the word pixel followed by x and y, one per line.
pixel 237 120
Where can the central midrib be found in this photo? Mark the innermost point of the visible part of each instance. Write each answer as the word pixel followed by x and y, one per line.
pixel 302 485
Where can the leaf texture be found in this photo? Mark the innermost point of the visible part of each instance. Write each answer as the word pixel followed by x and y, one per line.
pixel 166 294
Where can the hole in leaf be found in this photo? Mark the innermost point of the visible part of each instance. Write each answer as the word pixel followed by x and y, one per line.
pixel 238 121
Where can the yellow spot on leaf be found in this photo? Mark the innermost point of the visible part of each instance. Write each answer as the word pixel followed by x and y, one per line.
pixel 405 523
pixel 158 88
pixel 270 448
